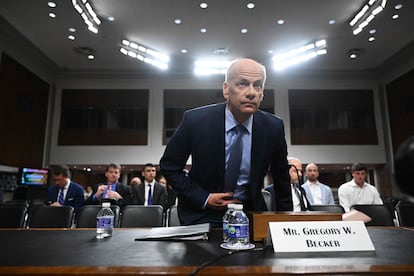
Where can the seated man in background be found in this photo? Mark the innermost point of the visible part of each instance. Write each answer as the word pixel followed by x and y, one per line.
pixel 316 192
pixel 357 191
pixel 113 190
pixel 300 201
pixel 150 192
pixel 65 192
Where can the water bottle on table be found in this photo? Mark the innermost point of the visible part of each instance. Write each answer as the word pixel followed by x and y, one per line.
pixel 105 221
pixel 238 230
pixel 227 215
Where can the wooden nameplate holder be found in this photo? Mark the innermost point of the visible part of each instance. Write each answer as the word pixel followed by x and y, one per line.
pixel 261 220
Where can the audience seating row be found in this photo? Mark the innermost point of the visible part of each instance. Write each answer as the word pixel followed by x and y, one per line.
pixel 40 216
pixel 24 215
pixel 402 214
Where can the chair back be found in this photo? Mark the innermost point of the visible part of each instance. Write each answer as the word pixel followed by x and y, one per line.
pixel 334 208
pixel 87 216
pixel 142 216
pixel 17 202
pixel 12 216
pixel 50 217
pixel 405 213
pixel 379 214
pixel 267 196
pixel 172 216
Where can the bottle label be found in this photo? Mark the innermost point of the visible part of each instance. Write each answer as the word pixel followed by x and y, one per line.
pixel 238 231
pixel 105 222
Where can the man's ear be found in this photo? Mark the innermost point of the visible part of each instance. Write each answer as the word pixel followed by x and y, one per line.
pixel 225 90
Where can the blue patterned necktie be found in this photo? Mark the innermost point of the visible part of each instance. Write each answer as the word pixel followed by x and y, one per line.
pixel 233 165
pixel 149 195
pixel 61 199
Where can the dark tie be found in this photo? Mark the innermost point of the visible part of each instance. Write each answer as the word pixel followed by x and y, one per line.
pixel 61 199
pixel 149 195
pixel 233 165
pixel 300 197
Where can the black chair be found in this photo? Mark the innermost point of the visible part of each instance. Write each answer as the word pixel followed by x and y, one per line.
pixel 142 216
pixel 267 196
pixel 379 214
pixel 405 213
pixel 172 216
pixel 87 216
pixel 50 217
pixel 17 202
pixel 12 216
pixel 334 208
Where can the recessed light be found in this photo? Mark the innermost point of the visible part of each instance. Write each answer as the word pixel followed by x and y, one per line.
pixel 398 6
pixel 395 16
pixel 371 38
pixel 281 21
pixel 51 4
pixel 71 37
pixel 52 14
pixel 91 57
pixel 177 21
pixel 243 30
pixel 372 31
pixel 331 22
pixel 270 52
pixel 111 18
pixel 184 51
pixel 352 55
pixel 72 30
pixel 250 5
pixel 203 5
pixel 203 30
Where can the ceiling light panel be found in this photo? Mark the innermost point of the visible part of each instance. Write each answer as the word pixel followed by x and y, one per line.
pixel 299 55
pixel 145 54
pixel 85 10
pixel 366 14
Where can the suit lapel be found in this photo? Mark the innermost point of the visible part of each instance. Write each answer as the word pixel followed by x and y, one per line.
pixel 257 150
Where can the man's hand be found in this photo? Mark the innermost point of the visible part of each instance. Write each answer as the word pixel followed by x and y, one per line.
pixel 220 200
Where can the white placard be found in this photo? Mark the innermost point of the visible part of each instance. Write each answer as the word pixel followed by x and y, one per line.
pixel 320 236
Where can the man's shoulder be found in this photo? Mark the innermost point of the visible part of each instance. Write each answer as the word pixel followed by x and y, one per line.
pixel 75 185
pixel 205 109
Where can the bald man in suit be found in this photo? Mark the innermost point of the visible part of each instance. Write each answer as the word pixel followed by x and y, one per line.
pixel 207 133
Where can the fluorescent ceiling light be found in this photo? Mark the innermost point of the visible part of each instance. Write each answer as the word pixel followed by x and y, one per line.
pixel 366 15
pixel 142 53
pixel 299 55
pixel 85 10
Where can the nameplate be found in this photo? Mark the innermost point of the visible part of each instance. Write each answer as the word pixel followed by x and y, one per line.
pixel 320 236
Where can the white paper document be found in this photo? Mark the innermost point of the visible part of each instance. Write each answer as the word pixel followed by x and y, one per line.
pixel 189 232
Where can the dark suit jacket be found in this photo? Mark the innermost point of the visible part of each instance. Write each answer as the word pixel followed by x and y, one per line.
pixel 122 189
pixel 201 134
pixel 159 195
pixel 74 196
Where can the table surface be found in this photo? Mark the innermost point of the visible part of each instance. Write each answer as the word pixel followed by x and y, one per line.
pixel 58 252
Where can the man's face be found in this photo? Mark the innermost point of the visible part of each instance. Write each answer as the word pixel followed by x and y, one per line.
pixel 149 173
pixel 312 173
pixel 295 171
pixel 359 177
pixel 113 174
pixel 60 180
pixel 244 91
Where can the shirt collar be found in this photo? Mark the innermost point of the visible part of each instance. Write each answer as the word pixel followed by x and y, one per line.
pixel 231 122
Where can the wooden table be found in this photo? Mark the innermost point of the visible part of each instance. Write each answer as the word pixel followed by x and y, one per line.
pixel 77 252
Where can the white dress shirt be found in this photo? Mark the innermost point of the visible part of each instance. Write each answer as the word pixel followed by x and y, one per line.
pixel 350 194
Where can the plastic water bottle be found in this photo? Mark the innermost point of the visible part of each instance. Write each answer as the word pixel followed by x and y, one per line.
pixel 226 217
pixel 238 228
pixel 105 221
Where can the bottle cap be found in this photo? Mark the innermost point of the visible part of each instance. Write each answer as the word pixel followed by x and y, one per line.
pixel 106 204
pixel 238 206
pixel 230 205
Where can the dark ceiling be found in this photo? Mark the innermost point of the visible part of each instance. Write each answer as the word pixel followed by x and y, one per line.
pixel 151 23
